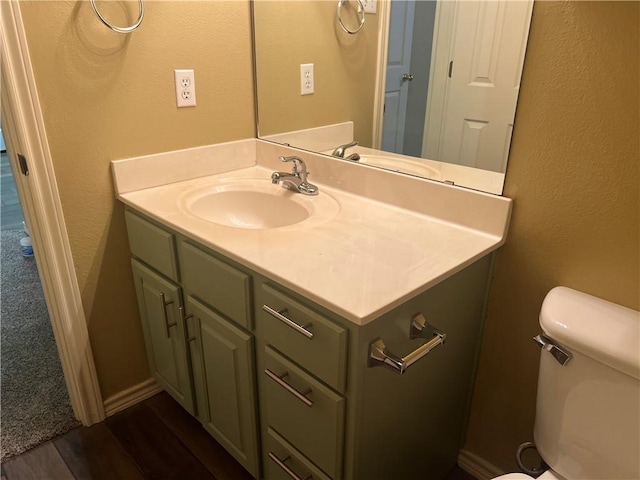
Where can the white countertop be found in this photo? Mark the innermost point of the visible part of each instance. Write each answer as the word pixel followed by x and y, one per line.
pixel 366 260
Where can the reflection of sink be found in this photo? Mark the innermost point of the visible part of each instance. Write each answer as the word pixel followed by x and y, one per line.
pixel 398 164
pixel 256 204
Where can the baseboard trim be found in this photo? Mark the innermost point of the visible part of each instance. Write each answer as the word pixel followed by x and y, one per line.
pixel 478 467
pixel 129 397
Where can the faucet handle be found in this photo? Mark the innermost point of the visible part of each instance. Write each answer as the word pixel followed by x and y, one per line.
pixel 298 164
pixel 339 151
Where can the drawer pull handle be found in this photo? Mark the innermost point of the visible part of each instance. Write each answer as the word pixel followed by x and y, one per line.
pixel 287 470
pixel 299 395
pixel 167 325
pixel 380 356
pixel 287 321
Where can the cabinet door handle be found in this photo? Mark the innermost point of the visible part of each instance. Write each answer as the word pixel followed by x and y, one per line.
pixel 287 321
pixel 380 356
pixel 288 470
pixel 279 380
pixel 167 325
pixel 185 326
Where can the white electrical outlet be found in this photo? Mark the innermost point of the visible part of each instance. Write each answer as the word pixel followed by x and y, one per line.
pixel 369 6
pixel 185 88
pixel 307 83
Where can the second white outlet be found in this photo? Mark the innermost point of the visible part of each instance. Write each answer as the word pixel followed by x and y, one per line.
pixel 185 88
pixel 369 6
pixel 306 79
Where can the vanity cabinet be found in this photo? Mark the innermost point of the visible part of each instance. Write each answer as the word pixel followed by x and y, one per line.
pixel 327 409
pixel 356 420
pixel 195 311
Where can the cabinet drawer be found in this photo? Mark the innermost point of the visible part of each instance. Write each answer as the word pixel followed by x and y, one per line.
pixel 153 245
pixel 223 287
pixel 280 455
pixel 323 354
pixel 316 427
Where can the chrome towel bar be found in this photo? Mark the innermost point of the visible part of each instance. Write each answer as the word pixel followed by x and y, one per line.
pixel 380 356
pixel 115 28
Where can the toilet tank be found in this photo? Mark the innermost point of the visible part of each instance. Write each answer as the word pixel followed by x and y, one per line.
pixel 588 411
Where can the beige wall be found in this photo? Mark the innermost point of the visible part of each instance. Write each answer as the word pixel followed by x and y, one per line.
pixel 573 173
pixel 106 96
pixel 293 32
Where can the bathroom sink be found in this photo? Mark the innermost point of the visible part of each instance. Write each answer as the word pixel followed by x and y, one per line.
pixel 398 164
pixel 257 204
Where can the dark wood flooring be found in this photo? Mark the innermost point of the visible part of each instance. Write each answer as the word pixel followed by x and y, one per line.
pixel 156 439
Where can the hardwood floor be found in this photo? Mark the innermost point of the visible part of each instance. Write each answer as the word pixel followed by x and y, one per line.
pixel 155 439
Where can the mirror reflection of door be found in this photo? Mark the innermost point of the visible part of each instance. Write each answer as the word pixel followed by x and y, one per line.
pixel 408 65
pixel 468 55
pixel 487 51
pixel 398 71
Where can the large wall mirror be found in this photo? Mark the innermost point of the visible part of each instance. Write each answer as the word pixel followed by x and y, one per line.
pixel 425 87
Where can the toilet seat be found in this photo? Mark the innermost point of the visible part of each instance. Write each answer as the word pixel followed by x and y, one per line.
pixel 548 475
pixel 551 475
pixel 514 476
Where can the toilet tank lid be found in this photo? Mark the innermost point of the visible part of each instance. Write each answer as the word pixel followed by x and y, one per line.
pixel 604 331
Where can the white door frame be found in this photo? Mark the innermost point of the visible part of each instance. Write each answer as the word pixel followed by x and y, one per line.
pixel 384 9
pixel 39 196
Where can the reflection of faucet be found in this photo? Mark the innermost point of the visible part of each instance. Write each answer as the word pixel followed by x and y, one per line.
pixel 339 152
pixel 296 180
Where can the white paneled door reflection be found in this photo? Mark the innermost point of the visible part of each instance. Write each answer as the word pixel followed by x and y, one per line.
pixel 488 47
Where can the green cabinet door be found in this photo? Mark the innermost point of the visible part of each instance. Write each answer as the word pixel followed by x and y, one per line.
pixel 223 372
pixel 159 301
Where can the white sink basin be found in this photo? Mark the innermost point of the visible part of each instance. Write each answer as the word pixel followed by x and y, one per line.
pixel 257 204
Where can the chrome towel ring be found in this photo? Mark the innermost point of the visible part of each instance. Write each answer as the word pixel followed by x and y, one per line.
pixel 115 28
pixel 360 12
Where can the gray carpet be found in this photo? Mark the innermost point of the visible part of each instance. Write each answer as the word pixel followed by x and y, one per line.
pixel 34 403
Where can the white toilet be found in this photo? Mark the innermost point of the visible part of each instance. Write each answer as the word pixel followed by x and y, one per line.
pixel 588 410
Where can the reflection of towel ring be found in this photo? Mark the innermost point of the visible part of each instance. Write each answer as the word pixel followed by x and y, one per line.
pixel 128 29
pixel 360 11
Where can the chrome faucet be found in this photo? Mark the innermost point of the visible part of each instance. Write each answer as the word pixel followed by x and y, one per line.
pixel 297 179
pixel 339 152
